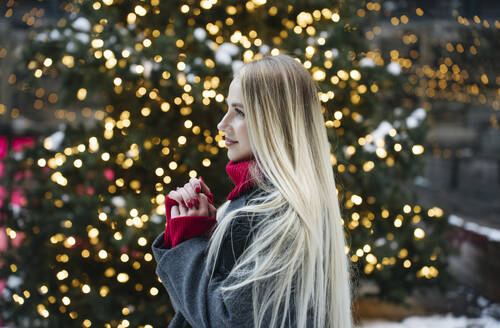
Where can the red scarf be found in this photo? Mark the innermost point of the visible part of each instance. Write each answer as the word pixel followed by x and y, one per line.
pixel 239 173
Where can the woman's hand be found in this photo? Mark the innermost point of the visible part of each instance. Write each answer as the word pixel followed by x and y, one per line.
pixel 188 196
pixel 204 209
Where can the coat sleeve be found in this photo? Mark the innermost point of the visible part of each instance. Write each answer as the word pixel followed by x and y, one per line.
pixel 182 271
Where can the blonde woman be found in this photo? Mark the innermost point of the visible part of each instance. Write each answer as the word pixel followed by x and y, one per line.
pixel 272 255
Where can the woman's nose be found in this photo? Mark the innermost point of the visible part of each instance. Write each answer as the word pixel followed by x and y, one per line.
pixel 222 123
pixel 219 126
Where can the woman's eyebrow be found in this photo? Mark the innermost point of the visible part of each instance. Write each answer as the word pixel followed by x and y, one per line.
pixel 235 104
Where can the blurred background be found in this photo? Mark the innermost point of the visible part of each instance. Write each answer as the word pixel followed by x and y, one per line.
pixel 107 105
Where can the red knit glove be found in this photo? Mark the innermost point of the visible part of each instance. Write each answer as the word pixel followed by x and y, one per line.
pixel 185 227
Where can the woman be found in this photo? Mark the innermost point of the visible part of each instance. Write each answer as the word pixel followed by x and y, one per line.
pixel 273 255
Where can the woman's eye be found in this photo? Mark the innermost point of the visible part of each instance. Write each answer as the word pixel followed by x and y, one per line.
pixel 239 112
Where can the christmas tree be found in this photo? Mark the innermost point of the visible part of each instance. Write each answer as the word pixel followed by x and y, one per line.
pixel 150 80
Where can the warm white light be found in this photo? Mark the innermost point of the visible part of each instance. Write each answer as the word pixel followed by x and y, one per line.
pixel 140 10
pixel 97 43
pixel 47 62
pixel 86 289
pixel 419 233
pixel 122 277
pixel 61 275
pixel 356 199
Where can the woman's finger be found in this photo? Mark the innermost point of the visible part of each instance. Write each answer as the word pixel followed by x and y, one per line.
pixel 196 185
pixel 212 210
pixel 188 195
pixel 174 211
pixel 175 195
pixel 179 195
pixel 183 210
pixel 208 209
pixel 202 209
pixel 194 195
pixel 204 187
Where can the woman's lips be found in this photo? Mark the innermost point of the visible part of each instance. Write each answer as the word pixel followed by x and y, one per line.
pixel 229 142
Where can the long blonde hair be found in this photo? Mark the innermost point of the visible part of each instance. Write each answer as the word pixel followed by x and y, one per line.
pixel 299 246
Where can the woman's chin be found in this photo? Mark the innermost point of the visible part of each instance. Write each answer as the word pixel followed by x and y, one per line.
pixel 234 158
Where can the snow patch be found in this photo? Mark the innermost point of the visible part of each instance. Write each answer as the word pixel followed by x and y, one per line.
pixel 335 52
pixel 422 181
pixel 378 135
pixel 394 68
pixel 236 65
pixel 441 321
pixel 148 67
pixel 264 49
pixel 55 35
pixel 82 37
pixel 71 47
pixel 491 233
pixel 41 37
pixel 55 140
pixel 155 218
pixel 200 34
pixel 417 116
pixel 14 281
pixel 224 53
pixel 81 24
pixel 367 62
pixel 118 201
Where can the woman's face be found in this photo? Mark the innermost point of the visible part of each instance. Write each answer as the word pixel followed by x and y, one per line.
pixel 234 125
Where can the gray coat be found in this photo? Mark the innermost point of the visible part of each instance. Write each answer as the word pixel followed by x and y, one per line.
pixel 196 300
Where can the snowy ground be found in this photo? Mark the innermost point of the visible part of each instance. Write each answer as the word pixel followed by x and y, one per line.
pixel 436 321
pixel 490 317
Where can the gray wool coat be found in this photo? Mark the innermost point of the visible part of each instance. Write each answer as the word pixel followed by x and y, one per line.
pixel 196 300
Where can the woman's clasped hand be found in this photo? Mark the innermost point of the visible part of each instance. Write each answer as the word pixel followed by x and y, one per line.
pixel 192 200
